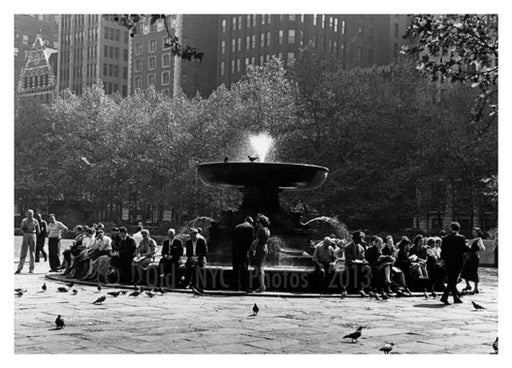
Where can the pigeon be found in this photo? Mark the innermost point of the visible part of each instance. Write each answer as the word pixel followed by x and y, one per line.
pixel 62 289
pixel 115 294
pixel 226 159
pixel 19 292
pixel 70 285
pixel 20 289
pixel 252 159
pixel 495 345
pixel 59 322
pixel 44 286
pixel 159 290
pixel 387 348
pixel 425 294
pixel 99 288
pixel 123 292
pixel 100 300
pixel 75 291
pixel 255 309
pixel 150 293
pixel 354 335
pixel 134 293
pixel 477 306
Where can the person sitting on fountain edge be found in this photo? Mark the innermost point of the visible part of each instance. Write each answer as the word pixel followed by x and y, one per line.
pixel 243 235
pixel 357 271
pixel 196 250
pixel 172 250
pixel 324 257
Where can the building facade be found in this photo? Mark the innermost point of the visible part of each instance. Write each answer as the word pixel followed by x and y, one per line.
pixel 93 47
pixel 38 77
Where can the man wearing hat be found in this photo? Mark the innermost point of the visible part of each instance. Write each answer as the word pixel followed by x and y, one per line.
pixel 196 250
pixel 357 270
pixel 243 235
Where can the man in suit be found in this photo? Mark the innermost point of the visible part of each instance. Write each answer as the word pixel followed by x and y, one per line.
pixel 172 250
pixel 196 250
pixel 124 256
pixel 243 235
pixel 357 270
pixel 453 247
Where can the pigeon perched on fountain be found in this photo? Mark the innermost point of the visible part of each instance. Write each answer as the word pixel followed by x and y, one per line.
pixel 252 159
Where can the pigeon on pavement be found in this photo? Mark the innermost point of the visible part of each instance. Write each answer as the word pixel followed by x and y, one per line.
pixel 20 292
pixel 100 300
pixel 150 293
pixel 255 309
pixel 387 348
pixel 354 335
pixel 70 284
pixel 59 322
pixel 62 289
pixel 75 291
pixel 99 288
pixel 196 291
pixel 44 286
pixel 115 294
pixel 134 293
pixel 477 306
pixel 495 345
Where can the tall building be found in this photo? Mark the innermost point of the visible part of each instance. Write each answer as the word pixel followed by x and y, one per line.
pixel 38 77
pixel 27 27
pixel 153 64
pixel 93 47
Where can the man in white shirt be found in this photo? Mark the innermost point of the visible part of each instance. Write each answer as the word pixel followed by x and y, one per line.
pixel 55 230
pixel 137 236
pixel 30 228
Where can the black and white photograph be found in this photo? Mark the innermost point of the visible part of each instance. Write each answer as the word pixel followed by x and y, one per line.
pixel 303 180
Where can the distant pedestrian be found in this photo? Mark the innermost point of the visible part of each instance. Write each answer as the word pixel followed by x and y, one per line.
pixel 243 235
pixel 30 229
pixel 452 257
pixel 55 231
pixel 470 271
pixel 41 237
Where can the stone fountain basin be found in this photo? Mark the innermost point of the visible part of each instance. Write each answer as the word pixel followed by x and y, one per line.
pixel 285 176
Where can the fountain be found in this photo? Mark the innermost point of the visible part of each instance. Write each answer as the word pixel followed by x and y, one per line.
pixel 260 184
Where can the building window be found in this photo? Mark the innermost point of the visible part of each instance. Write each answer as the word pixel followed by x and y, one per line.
pixel 118 35
pixel 262 19
pixel 233 28
pixel 223 47
pixel 253 41
pixel 335 45
pixel 152 46
pixel 238 65
pixel 253 60
pixel 335 24
pixel 116 53
pixel 262 59
pixel 396 30
pixel 268 38
pixel 248 21
pixel 254 20
pixel 224 26
pixel 314 19
pixel 138 65
pixel 166 60
pixel 125 72
pixel 222 65
pixel 269 18
pixel 166 77
pixel 239 43
pixel 138 48
pixel 239 22
pixel 137 82
pixel 116 71
pixel 331 22
pixel 247 42
pixel 281 18
pixel 290 58
pixel 232 66
pixel 107 33
pixel 323 21
pixel 152 62
pixel 125 91
pixel 111 70
pixel 105 69
pixel 359 29
pixel 280 55
pixel 291 17
pixel 281 36
pixel 291 36
pixel 342 27
pixel 233 45
pixel 125 55
pixel 262 40
pixel 246 63
pixel 151 79
pixel 105 51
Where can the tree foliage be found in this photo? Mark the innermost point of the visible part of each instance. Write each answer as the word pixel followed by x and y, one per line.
pixel 460 48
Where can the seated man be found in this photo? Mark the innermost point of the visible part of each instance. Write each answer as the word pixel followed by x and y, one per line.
pixel 74 250
pixel 357 271
pixel 170 263
pixel 324 257
pixel 144 256
pixel 81 260
pixel 196 250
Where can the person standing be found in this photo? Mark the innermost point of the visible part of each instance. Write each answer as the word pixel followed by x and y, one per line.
pixel 41 237
pixel 470 271
pixel 55 230
pixel 30 229
pixel 243 235
pixel 259 250
pixel 123 258
pixel 453 248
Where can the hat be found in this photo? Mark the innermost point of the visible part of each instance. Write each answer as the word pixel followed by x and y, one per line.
pixel 194 230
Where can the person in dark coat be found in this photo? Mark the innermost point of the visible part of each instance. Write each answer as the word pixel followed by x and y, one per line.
pixel 172 250
pixel 453 248
pixel 41 237
pixel 358 272
pixel 243 235
pixel 122 259
pixel 470 271
pixel 196 250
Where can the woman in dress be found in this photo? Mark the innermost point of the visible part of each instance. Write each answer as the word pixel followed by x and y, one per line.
pixel 435 272
pixel 470 270
pixel 380 263
pixel 420 252
pixel 259 249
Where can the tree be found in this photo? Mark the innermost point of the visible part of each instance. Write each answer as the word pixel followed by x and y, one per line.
pixel 460 48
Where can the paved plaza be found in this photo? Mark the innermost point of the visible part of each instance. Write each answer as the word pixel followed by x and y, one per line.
pixel 223 324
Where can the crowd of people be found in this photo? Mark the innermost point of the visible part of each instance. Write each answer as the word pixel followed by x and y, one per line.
pixel 372 264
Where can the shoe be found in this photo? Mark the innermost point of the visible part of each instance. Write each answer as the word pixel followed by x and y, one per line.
pixel 31 271
pixel 445 301
pixel 476 291
pixel 260 290
pixel 17 272
pixel 36 261
pixel 457 301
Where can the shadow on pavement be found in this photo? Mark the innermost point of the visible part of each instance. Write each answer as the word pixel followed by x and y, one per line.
pixel 433 306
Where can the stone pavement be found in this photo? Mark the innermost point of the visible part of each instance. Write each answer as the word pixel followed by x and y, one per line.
pixel 183 323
